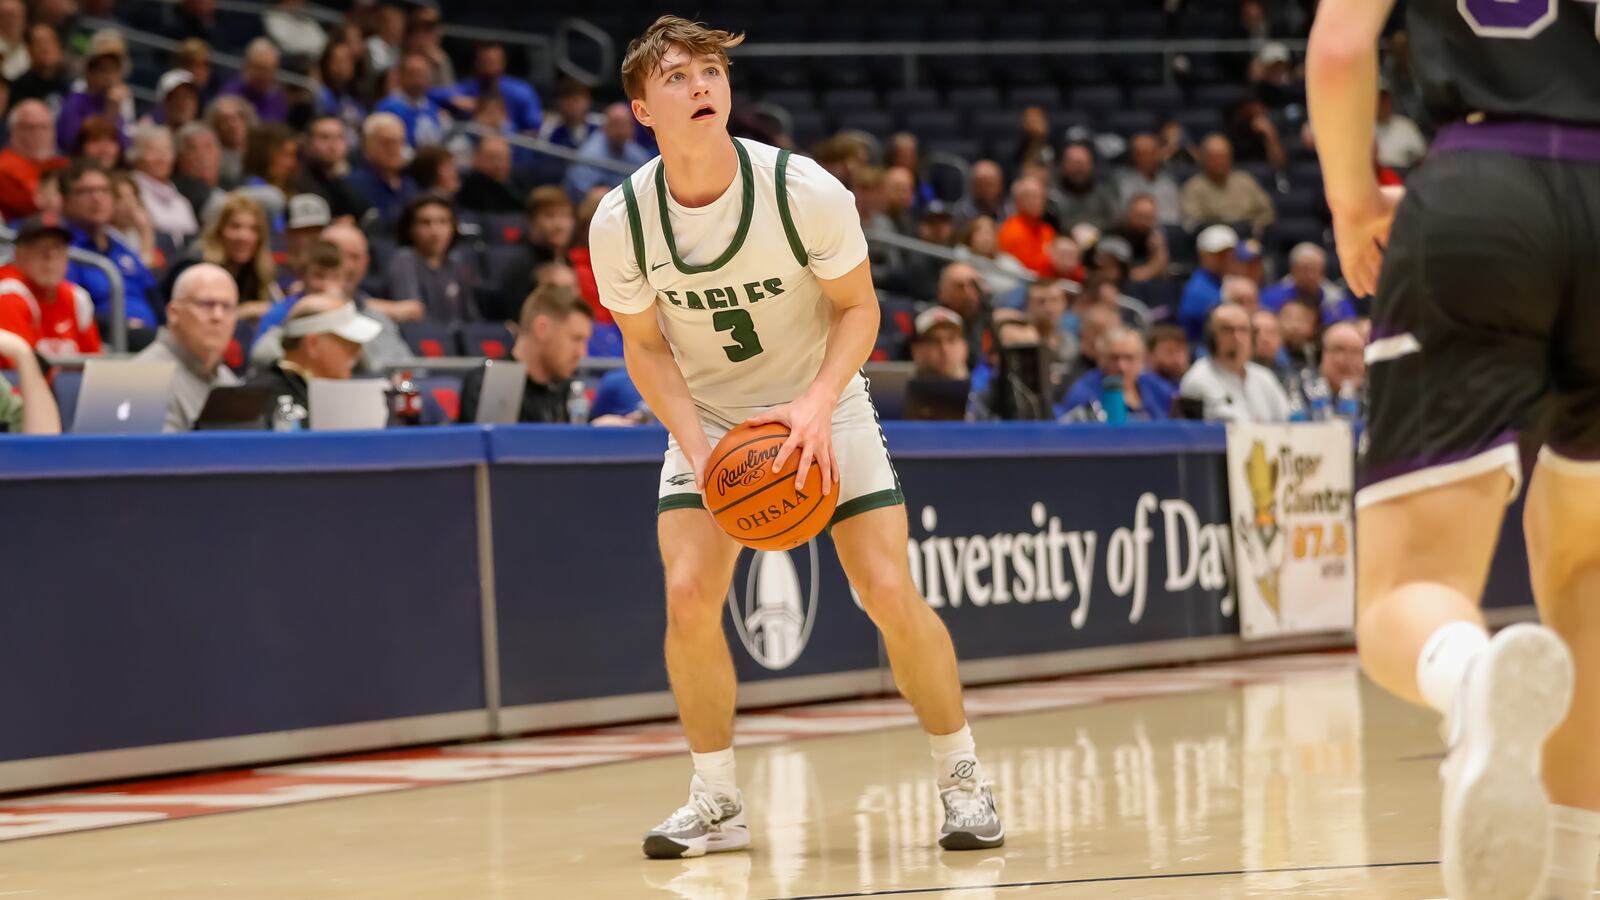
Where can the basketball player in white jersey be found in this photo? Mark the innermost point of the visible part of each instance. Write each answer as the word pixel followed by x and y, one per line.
pixel 739 277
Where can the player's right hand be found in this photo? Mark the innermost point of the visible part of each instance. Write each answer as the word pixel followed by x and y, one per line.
pixel 1361 233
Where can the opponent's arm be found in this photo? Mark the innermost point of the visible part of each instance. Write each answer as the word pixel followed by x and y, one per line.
pixel 1342 95
pixel 656 374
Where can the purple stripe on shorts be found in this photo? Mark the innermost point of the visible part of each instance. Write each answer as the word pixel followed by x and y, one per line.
pixel 1543 140
pixel 1381 330
pixel 1373 475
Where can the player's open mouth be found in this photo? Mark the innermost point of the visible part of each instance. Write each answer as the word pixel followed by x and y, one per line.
pixel 704 112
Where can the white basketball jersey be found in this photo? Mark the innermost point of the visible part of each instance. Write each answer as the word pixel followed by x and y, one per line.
pixel 734 283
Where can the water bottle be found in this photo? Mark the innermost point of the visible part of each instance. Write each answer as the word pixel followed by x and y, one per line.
pixel 1297 406
pixel 577 404
pixel 1112 401
pixel 288 416
pixel 1349 405
pixel 1321 403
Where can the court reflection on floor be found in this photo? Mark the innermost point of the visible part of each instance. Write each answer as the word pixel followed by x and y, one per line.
pixel 1261 777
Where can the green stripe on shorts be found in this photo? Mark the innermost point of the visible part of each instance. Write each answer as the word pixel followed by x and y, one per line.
pixel 679 501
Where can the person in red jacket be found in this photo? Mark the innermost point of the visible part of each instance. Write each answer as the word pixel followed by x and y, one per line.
pixel 1026 235
pixel 31 153
pixel 37 302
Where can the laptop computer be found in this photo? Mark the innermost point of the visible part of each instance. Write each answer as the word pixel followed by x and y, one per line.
pixel 500 400
pixel 124 396
pixel 355 405
pixel 239 408
pixel 886 382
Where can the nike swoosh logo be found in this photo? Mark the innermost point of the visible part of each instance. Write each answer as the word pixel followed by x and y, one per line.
pixel 658 265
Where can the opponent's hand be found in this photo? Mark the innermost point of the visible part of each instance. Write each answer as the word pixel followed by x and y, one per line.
pixel 1361 233
pixel 810 423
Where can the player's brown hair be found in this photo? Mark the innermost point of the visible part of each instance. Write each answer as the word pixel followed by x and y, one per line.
pixel 645 51
pixel 554 302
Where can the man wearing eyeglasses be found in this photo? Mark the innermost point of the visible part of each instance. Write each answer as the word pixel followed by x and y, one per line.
pixel 87 207
pixel 1225 385
pixel 37 301
pixel 200 320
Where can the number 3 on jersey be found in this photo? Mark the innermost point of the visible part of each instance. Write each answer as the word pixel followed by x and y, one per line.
pixel 743 331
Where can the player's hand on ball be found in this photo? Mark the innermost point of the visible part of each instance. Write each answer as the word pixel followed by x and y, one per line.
pixel 1362 234
pixel 810 423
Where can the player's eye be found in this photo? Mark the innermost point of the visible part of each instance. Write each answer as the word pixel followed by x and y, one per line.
pixel 675 76
pixel 713 71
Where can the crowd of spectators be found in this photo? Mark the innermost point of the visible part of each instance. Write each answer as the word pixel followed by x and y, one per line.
pixel 268 232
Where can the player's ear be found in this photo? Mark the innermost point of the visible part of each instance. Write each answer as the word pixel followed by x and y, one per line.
pixel 641 113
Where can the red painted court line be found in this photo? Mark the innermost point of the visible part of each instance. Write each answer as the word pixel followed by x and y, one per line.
pixel 60 812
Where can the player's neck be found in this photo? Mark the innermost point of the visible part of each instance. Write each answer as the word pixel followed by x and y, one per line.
pixel 699 173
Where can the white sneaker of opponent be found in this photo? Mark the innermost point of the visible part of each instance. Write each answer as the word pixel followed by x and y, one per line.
pixel 708 823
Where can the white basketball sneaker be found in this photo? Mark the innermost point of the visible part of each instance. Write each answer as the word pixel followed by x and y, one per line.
pixel 1495 820
pixel 706 824
pixel 970 819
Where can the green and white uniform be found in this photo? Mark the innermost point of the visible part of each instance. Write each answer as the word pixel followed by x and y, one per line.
pixel 734 286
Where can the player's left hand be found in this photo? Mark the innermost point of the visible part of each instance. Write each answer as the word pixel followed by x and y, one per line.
pixel 810 423
pixel 1361 234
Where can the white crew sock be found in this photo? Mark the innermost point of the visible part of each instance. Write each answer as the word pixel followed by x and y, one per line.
pixel 955 757
pixel 1574 851
pixel 1444 662
pixel 716 772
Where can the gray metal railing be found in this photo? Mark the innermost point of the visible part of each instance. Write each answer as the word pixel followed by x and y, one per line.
pixel 543 146
pixel 162 42
pixel 119 296
pixel 912 52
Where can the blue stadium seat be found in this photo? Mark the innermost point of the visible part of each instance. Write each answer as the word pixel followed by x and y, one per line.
pixel 237 355
pixel 934 125
pixel 996 125
pixel 1081 26
pixel 1298 202
pixel 973 98
pixel 872 121
pixel 899 27
pixel 1139 25
pixel 848 99
pixel 1044 95
pixel 1161 99
pixel 1203 24
pixel 1262 172
pixel 1307 173
pixel 1097 98
pixel 1286 232
pixel 494 260
pixel 903 100
pixel 488 339
pixel 810 126
pixel 1128 122
pixel 1197 122
pixel 605 341
pixel 443 394
pixel 793 100
pixel 1180 244
pixel 967 148
pixel 1020 26
pixel 1217 96
pixel 961 26
pixel 428 339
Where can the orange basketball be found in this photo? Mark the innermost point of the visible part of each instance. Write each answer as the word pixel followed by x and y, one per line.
pixel 758 507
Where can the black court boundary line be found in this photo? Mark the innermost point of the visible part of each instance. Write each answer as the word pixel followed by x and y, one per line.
pixel 1165 876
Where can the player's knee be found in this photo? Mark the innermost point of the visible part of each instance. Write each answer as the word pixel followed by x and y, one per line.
pixel 694 603
pixel 888 596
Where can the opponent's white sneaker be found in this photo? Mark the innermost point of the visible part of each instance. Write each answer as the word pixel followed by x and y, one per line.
pixel 706 824
pixel 1495 820
pixel 970 819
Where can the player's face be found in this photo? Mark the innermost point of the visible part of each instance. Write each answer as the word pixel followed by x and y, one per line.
pixel 686 96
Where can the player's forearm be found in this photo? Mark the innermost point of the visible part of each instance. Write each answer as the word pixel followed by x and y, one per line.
pixel 850 342
pixel 660 382
pixel 39 412
pixel 1342 92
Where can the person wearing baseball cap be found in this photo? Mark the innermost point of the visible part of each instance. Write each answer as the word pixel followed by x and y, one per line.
pixel 939 348
pixel 105 92
pixel 1203 293
pixel 177 99
pixel 37 302
pixel 307 215
pixel 322 338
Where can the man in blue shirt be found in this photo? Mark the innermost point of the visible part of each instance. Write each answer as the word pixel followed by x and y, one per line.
pixel 87 206
pixel 489 77
pixel 1307 281
pixel 1203 293
pixel 423 117
pixel 614 141
pixel 381 178
pixel 1147 395
pixel 574 119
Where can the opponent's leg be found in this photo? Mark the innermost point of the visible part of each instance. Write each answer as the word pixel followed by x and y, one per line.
pixel 872 549
pixel 698 559
pixel 1562 522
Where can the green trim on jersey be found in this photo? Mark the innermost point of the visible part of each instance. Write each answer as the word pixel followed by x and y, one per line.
pixel 634 226
pixel 865 503
pixel 749 200
pixel 795 244
pixel 679 501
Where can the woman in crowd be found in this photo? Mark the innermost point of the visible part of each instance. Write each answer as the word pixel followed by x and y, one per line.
pixel 271 166
pixel 434 170
pixel 339 77
pixel 99 141
pixel 978 244
pixel 130 224
pixel 152 157
pixel 232 118
pixel 194 56
pixel 236 239
pixel 428 267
